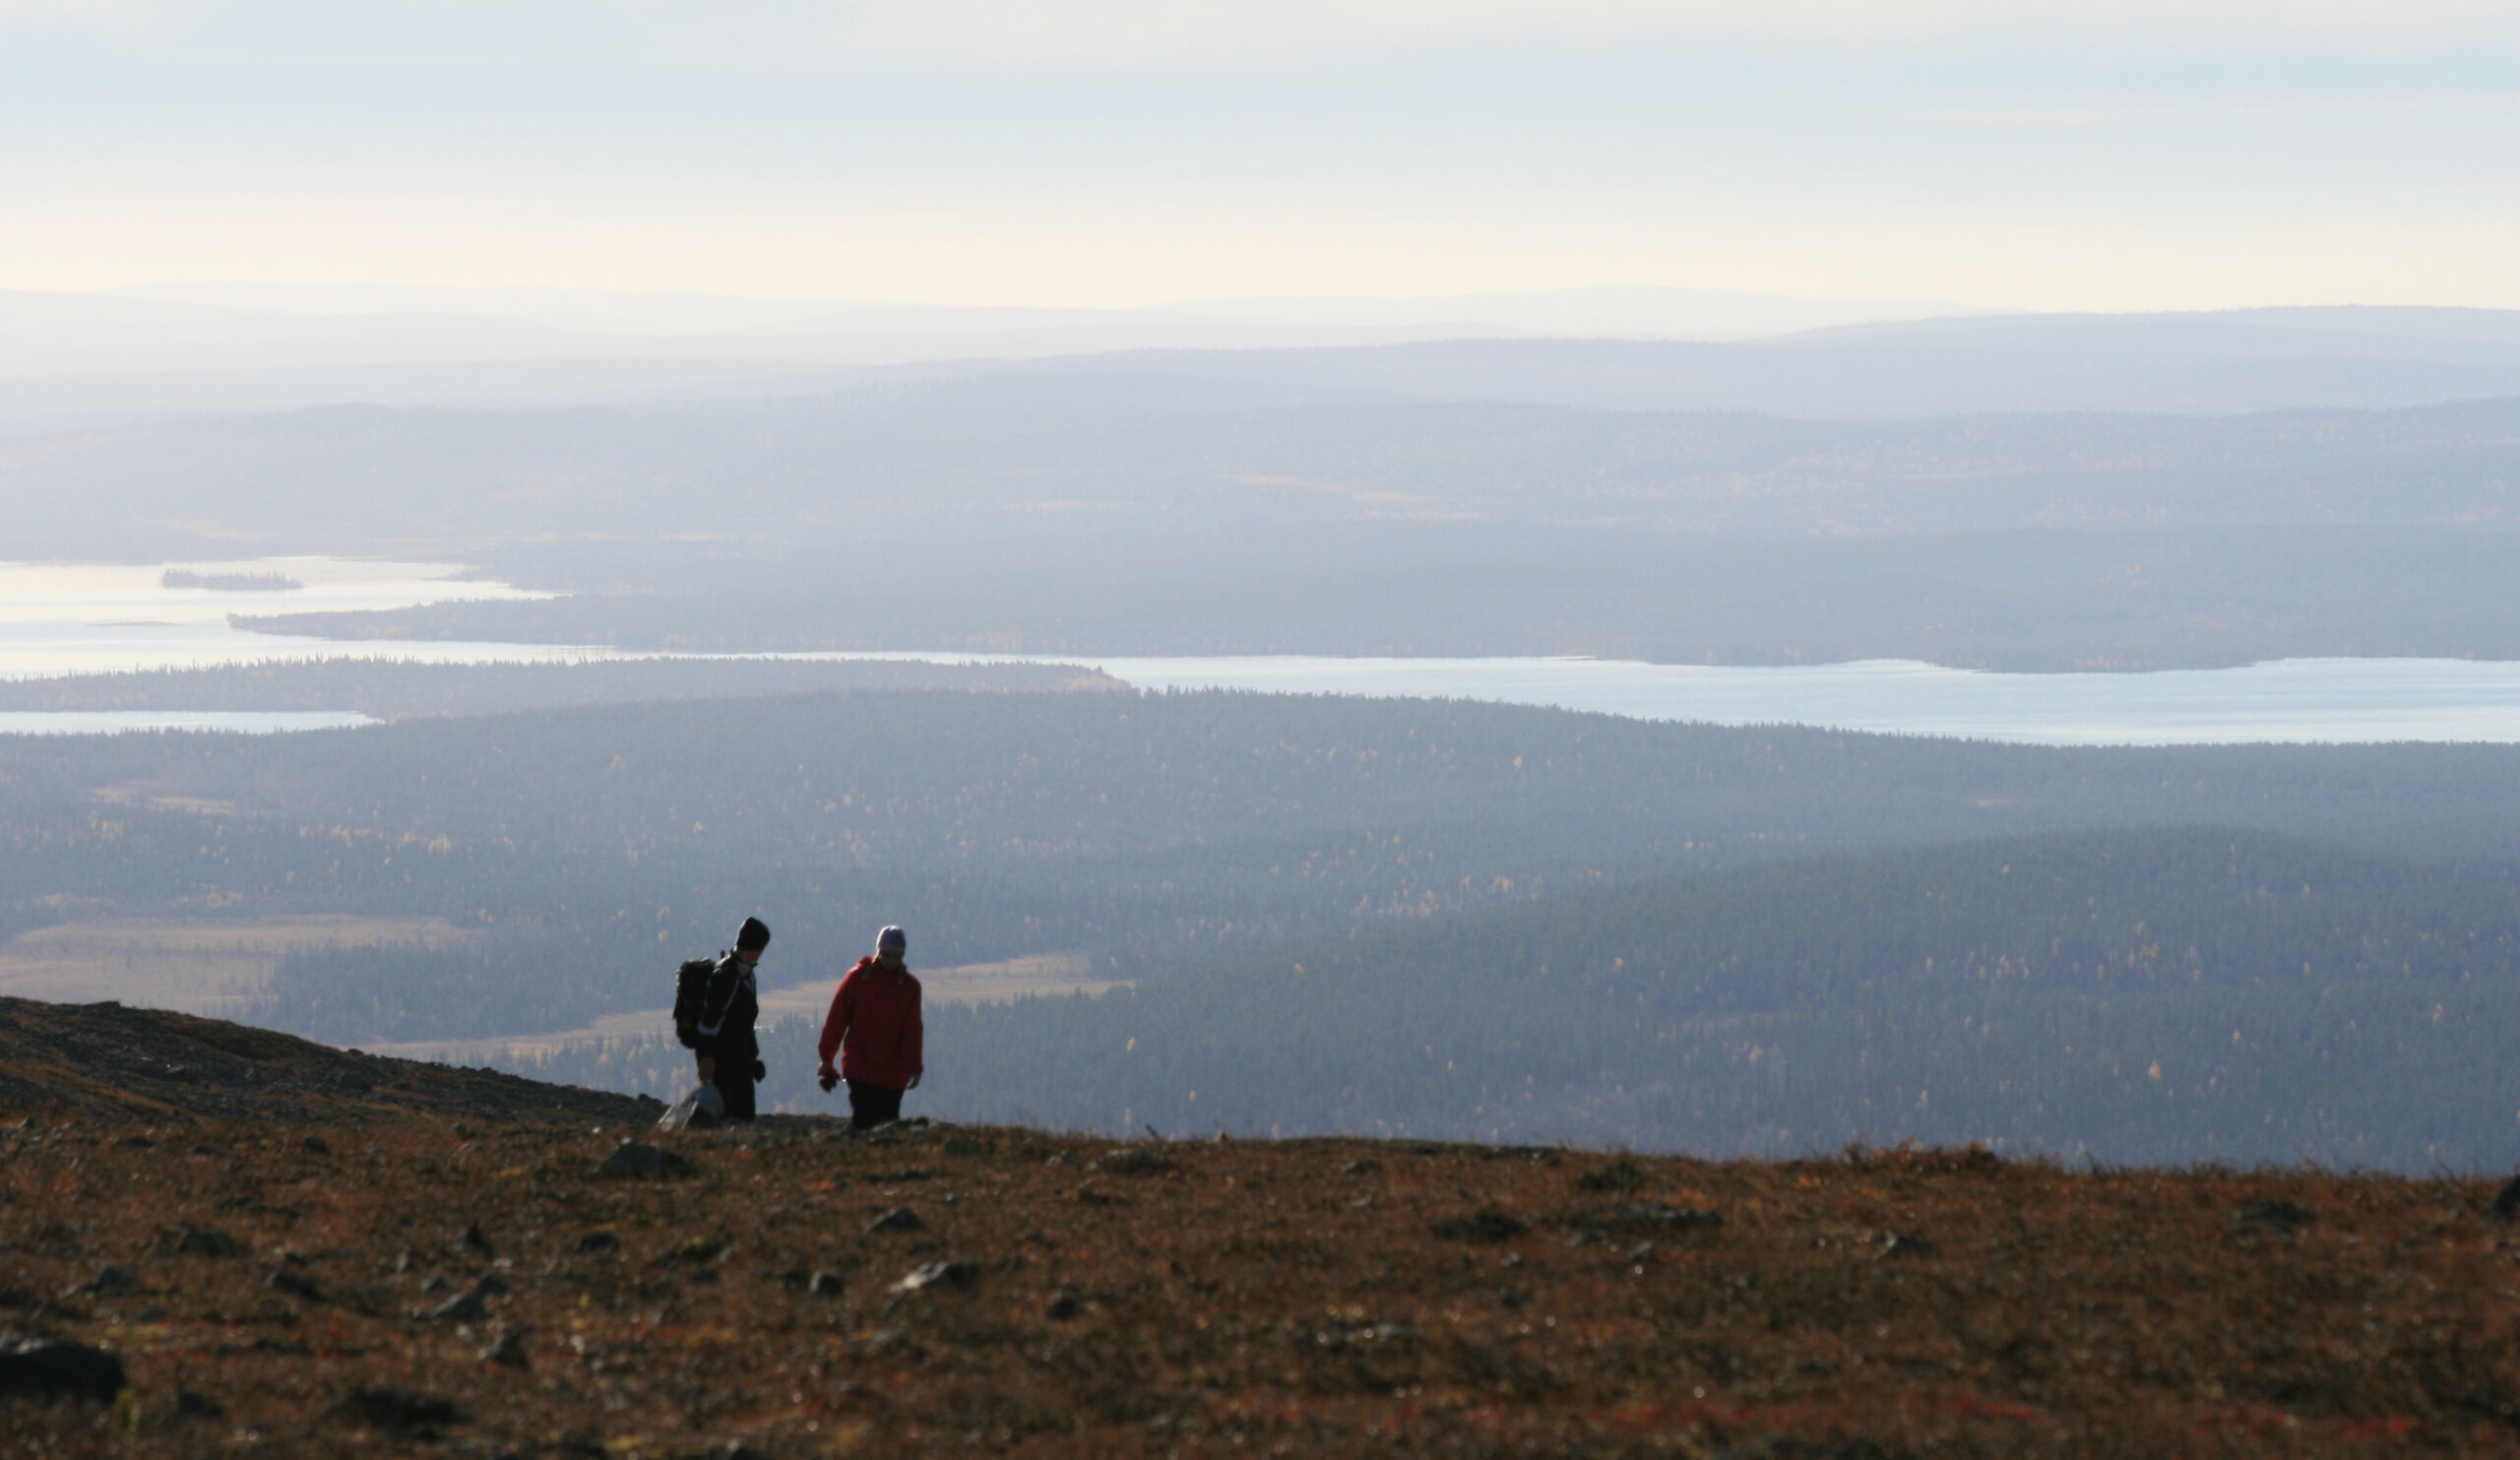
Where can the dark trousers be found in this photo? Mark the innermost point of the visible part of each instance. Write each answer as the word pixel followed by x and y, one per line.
pixel 870 1105
pixel 735 1086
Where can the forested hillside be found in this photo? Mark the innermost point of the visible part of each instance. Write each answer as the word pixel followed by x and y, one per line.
pixel 1758 938
pixel 2173 995
pixel 930 779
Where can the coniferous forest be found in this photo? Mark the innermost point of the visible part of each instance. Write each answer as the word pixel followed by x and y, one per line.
pixel 1405 917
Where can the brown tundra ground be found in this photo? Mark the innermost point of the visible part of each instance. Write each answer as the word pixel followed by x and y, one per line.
pixel 268 1285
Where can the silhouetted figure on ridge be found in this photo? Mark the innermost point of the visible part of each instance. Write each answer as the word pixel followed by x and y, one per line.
pixel 730 1053
pixel 876 1028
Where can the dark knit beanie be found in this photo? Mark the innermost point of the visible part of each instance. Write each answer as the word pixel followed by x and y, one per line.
pixel 755 934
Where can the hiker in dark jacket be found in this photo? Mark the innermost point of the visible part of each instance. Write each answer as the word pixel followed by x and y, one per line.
pixel 876 1028
pixel 729 1054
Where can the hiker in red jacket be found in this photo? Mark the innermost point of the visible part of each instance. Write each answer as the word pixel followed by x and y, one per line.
pixel 874 1028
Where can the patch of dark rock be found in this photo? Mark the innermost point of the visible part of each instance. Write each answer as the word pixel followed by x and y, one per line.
pixel 702 1275
pixel 1489 1226
pixel 929 1276
pixel 463 1308
pixel 1618 1175
pixel 1133 1160
pixel 2274 1214
pixel 826 1283
pixel 209 1241
pixel 508 1351
pixel 293 1284
pixel 639 1161
pixel 699 1251
pixel 314 1145
pixel 1062 1307
pixel 191 1405
pixel 111 1280
pixel 899 1219
pixel 1363 1167
pixel 36 1366
pixel 897 1178
pixel 473 1241
pixel 2506 1202
pixel 600 1241
pixel 1901 1244
pixel 491 1285
pixel 405 1413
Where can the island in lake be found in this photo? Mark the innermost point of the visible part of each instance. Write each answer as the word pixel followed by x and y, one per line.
pixel 228 582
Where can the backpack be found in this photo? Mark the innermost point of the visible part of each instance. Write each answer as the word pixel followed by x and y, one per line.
pixel 690 988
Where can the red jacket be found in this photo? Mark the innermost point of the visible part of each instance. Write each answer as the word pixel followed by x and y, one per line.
pixel 874 1027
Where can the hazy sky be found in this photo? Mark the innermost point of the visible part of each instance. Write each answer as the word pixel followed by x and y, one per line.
pixel 2125 154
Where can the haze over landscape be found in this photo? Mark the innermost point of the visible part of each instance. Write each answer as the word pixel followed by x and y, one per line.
pixel 1642 577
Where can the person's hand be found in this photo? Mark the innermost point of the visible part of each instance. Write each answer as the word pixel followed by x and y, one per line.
pixel 913 1083
pixel 708 1070
pixel 760 1072
pixel 827 1077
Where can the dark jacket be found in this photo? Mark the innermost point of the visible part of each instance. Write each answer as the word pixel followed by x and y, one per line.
pixel 874 1026
pixel 727 1009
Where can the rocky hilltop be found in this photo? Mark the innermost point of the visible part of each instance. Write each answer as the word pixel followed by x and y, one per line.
pixel 216 1241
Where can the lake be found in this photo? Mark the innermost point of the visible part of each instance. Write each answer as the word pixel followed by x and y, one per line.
pixel 119 722
pixel 69 619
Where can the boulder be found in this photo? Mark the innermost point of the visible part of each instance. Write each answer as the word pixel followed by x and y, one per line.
pixel 508 1351
pixel 698 1110
pixel 1134 1161
pixel 463 1307
pixel 406 1413
pixel 111 1280
pixel 639 1161
pixel 1618 1175
pixel 1488 1226
pixel 899 1219
pixel 2273 1213
pixel 960 1276
pixel 209 1241
pixel 35 1366
pixel 293 1283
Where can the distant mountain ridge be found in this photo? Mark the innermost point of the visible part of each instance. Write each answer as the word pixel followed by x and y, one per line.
pixel 71 361
pixel 2191 364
